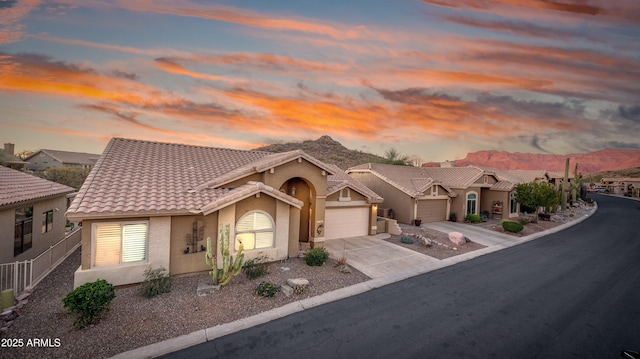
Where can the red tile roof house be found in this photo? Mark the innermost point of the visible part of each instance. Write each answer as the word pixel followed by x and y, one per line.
pixel 151 204
pixel 31 214
pixel 431 194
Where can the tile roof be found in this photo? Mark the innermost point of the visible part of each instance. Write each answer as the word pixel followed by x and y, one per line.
pixel 260 165
pixel 135 176
pixel 247 190
pixel 340 179
pixel 71 158
pixel 17 187
pixel 411 180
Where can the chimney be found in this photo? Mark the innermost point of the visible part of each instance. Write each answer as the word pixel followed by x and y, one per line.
pixel 9 148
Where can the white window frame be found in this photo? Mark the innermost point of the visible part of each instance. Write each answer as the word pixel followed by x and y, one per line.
pixel 272 230
pixel 345 195
pixel 121 224
pixel 467 202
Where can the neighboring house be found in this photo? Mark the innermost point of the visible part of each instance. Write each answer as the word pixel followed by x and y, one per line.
pixel 31 214
pixel 43 159
pixel 433 193
pixel 408 192
pixel 9 159
pixel 151 204
pixel 622 186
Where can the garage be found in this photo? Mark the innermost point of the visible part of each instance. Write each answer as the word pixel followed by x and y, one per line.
pixel 432 210
pixel 344 222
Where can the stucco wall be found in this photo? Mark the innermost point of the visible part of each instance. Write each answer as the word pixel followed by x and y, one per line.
pixel 192 261
pixel 401 203
pixel 40 241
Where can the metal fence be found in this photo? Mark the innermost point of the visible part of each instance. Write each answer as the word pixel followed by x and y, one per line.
pixel 27 274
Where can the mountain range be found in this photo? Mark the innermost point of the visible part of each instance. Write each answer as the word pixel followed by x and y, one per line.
pixel 328 150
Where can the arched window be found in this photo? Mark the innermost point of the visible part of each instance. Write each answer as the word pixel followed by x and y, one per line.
pixel 255 231
pixel 471 203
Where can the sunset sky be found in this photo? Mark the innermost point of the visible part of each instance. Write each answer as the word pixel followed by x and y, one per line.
pixel 432 78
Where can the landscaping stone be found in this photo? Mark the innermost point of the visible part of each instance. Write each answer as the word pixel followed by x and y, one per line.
pixel 344 269
pixel 287 290
pixel 206 289
pixel 295 282
pixel 457 238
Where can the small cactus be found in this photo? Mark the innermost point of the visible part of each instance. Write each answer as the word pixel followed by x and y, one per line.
pixel 230 267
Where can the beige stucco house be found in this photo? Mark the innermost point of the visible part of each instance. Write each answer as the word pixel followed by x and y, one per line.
pixel 151 204
pixel 434 193
pixel 31 214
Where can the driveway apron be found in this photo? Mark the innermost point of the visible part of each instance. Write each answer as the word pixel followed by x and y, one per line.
pixel 376 257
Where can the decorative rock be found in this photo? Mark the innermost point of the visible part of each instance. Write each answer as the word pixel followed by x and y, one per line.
pixel 284 268
pixel 288 291
pixel 344 269
pixel 294 282
pixel 206 289
pixel 457 238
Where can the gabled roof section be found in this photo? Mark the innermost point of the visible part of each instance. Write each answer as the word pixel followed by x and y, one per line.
pixel 503 186
pixel 17 187
pixel 247 190
pixel 270 160
pixel 411 180
pixel 70 158
pixel 135 177
pixel 340 179
pixel 457 177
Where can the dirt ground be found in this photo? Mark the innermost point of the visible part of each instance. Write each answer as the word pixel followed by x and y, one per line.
pixel 442 247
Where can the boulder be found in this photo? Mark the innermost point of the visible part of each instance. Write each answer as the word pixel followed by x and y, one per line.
pixel 286 290
pixel 295 282
pixel 457 238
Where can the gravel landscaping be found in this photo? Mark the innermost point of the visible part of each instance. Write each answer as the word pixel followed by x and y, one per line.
pixel 441 246
pixel 135 321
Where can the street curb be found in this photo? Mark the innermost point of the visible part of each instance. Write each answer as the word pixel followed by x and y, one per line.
pixel 208 334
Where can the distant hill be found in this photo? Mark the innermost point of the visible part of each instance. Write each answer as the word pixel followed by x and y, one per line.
pixel 326 150
pixel 592 162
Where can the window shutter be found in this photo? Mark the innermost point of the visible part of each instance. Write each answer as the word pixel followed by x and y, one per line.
pixel 134 242
pixel 107 244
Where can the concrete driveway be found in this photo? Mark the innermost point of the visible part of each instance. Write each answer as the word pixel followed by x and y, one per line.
pixel 375 257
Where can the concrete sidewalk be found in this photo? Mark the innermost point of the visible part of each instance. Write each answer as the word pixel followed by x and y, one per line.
pixel 385 262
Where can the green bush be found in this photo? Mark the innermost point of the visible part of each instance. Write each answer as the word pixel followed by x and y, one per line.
pixel 255 268
pixel 406 239
pixel 267 289
pixel 473 218
pixel 523 220
pixel 88 301
pixel 513 227
pixel 316 256
pixel 156 282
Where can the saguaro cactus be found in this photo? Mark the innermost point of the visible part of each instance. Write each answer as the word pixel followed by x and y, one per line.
pixel 230 267
pixel 565 186
pixel 576 184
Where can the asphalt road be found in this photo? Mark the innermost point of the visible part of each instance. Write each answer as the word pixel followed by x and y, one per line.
pixel 573 294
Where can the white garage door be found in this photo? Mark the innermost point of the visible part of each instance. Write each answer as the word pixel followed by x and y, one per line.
pixel 346 222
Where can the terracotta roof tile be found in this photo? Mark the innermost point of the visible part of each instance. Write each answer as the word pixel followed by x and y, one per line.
pixel 340 179
pixel 16 187
pixel 140 176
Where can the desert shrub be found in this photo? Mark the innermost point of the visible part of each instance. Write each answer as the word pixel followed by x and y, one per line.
pixel 523 220
pixel 156 281
pixel 256 268
pixel 473 218
pixel 316 256
pixel 267 289
pixel 88 301
pixel 513 227
pixel 406 239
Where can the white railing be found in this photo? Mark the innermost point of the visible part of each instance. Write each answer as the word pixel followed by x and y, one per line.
pixel 27 274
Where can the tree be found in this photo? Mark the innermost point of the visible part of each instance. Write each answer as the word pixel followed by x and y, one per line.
pixel 533 196
pixel 393 157
pixel 68 176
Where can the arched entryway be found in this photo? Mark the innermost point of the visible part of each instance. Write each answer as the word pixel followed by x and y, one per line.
pixel 300 189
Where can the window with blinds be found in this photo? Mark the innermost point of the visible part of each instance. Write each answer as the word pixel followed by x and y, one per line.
pixel 255 231
pixel 117 243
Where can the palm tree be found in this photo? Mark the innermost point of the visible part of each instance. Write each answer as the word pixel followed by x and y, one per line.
pixel 393 157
